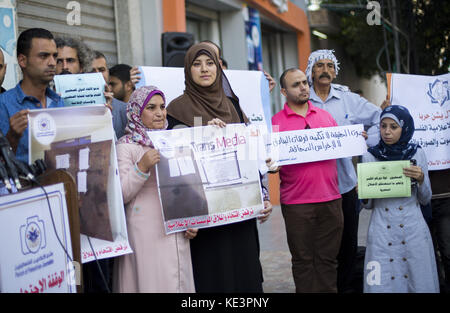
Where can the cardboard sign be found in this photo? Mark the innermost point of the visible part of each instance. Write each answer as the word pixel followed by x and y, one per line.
pixel 207 176
pixel 318 144
pixel 383 180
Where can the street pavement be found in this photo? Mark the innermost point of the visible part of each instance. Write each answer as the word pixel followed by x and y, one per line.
pixel 275 256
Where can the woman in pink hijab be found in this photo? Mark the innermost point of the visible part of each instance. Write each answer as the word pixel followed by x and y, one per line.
pixel 159 262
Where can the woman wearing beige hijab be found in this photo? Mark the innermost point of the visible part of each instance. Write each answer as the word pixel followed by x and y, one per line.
pixel 224 258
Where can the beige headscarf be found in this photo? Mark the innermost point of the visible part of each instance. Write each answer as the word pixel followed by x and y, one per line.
pixel 205 102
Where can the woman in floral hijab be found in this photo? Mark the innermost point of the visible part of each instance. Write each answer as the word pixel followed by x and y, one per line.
pixel 136 131
pixel 159 262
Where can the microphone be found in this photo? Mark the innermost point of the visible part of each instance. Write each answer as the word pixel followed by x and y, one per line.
pixel 4 175
pixel 14 166
pixel 23 169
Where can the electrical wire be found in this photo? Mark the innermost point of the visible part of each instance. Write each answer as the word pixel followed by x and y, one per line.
pixel 98 266
pixel 60 242
pixel 53 221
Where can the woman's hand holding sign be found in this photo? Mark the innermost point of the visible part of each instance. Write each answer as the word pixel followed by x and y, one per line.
pixel 414 172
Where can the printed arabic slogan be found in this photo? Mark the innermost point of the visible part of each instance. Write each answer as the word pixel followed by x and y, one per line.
pixel 428 100
pixel 310 145
pixel 383 180
pixel 32 259
pixel 207 176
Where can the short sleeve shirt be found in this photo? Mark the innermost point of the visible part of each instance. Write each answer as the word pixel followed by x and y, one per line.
pixel 311 182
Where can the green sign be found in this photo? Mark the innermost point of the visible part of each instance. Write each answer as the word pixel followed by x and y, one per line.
pixel 383 180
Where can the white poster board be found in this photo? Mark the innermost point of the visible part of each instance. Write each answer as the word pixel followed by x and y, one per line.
pixel 48 126
pixel 207 176
pixel 428 100
pixel 318 144
pixel 81 89
pixel 31 257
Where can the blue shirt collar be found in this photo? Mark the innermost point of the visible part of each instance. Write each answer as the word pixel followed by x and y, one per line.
pixel 21 96
pixel 333 93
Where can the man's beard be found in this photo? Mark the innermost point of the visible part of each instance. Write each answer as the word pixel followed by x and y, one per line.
pixel 121 95
pixel 296 100
pixel 301 101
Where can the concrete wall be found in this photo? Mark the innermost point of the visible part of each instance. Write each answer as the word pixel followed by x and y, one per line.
pixel 234 45
pixel 152 28
pixel 139 28
pixel 140 25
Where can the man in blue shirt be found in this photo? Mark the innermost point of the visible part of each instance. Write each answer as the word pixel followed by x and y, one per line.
pixel 347 108
pixel 36 56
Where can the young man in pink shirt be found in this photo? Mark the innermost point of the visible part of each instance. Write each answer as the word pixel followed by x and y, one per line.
pixel 310 198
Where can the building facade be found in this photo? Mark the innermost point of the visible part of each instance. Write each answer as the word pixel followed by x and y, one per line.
pixel 129 31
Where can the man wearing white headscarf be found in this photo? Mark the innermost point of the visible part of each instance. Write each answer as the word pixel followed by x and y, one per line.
pixel 347 108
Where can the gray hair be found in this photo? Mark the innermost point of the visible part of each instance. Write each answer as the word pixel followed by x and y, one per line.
pixel 84 53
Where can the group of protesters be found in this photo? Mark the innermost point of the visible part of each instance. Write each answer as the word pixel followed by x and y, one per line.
pixel 319 200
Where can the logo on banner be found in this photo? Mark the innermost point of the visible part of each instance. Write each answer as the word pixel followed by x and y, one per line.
pixel 44 125
pixel 44 128
pixel 439 92
pixel 32 235
pixel 165 148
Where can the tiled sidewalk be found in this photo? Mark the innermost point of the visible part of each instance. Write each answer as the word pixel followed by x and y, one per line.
pixel 275 256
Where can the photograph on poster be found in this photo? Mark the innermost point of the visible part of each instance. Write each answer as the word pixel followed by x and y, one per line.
pixel 206 177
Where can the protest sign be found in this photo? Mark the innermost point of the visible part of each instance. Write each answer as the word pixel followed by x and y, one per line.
pixel 428 100
pixel 81 89
pixel 383 180
pixel 32 259
pixel 318 144
pixel 80 139
pixel 8 42
pixel 251 87
pixel 207 176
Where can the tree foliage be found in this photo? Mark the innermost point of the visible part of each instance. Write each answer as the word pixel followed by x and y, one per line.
pixel 423 41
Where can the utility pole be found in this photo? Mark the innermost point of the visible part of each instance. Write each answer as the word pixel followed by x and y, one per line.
pixel 395 33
